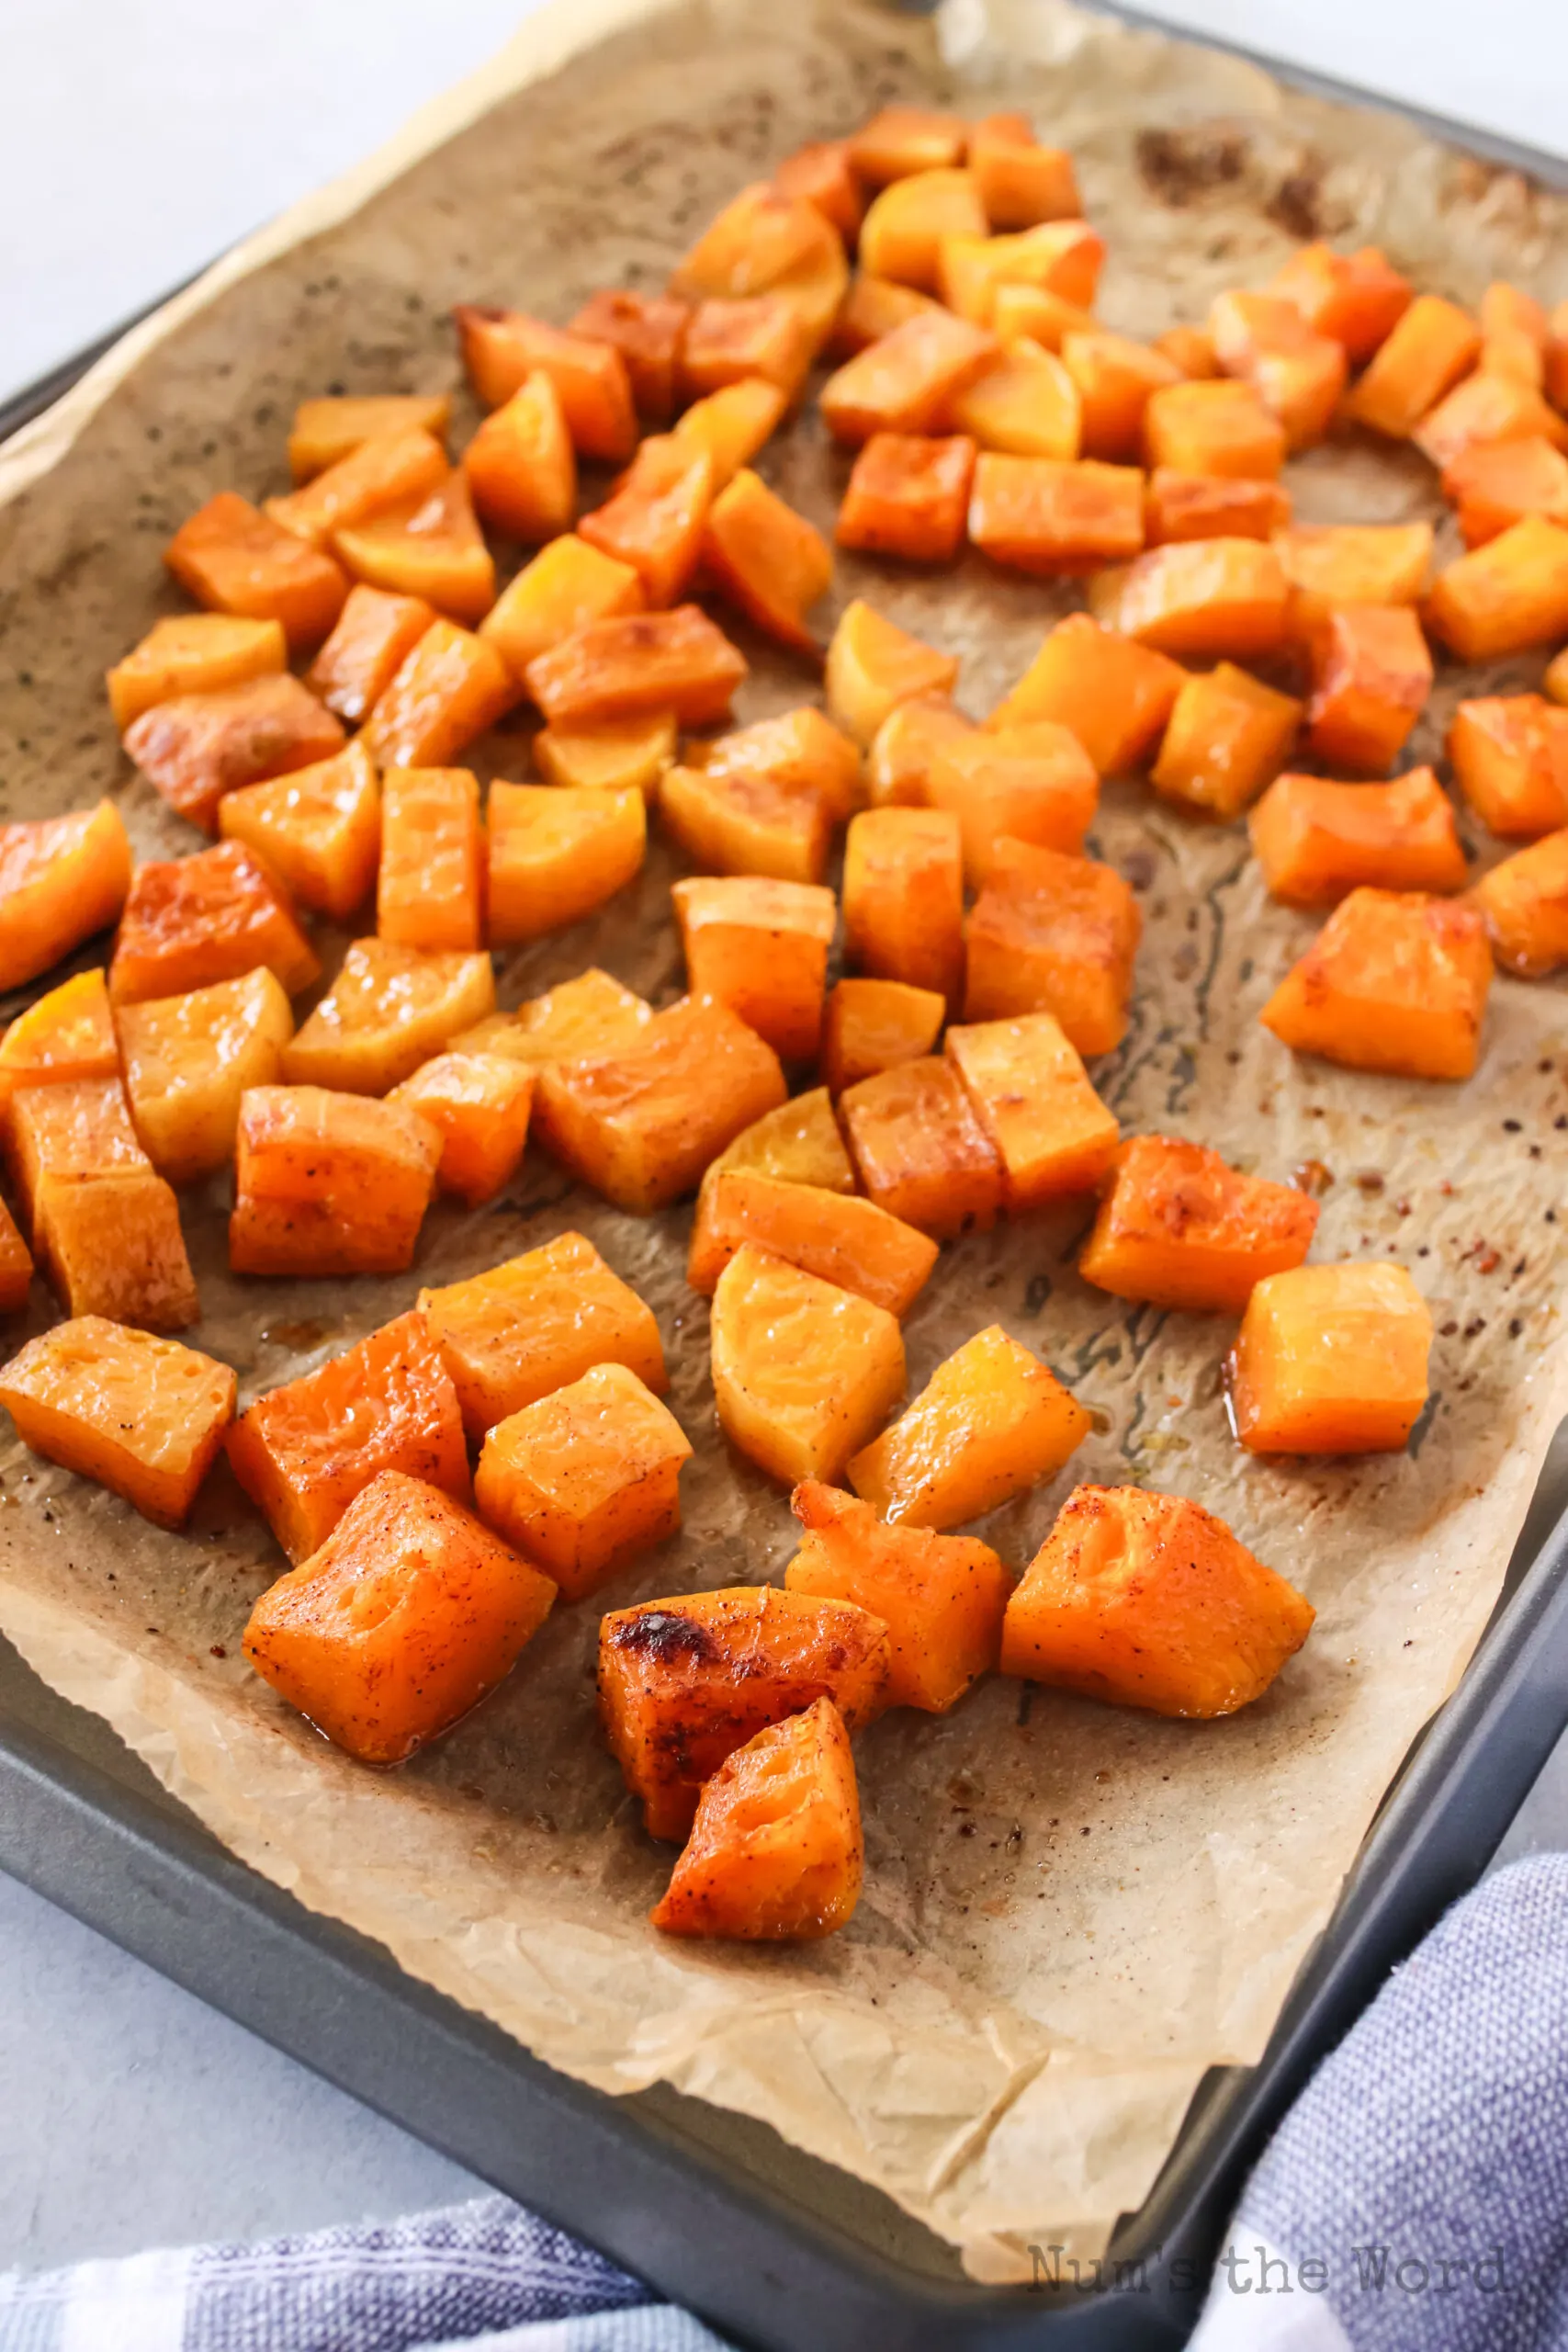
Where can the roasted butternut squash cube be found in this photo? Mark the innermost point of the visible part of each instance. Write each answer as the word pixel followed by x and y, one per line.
pixel 803 1371
pixel 904 898
pixel 775 1853
pixel 799 748
pixel 1428 349
pixel 634 663
pixel 1496 485
pixel 908 495
pixel 592 1014
pixel 1041 515
pixel 760 946
pixel 328 1183
pixel 1028 403
pixel 654 518
pixel 1212 428
pixel 1212 506
pixel 61 880
pixel 584 1479
pixel 1116 697
pixel 1331 1360
pixel 920 1152
pixel 521 466
pixel 874 665
pixel 1524 904
pixel 1061 257
pixel 1045 318
pixel 872 307
pixel 430 880
pixel 1148 1600
pixel 502 349
pixel 1229 735
pixel 739 823
pixel 1373 674
pixel 1396 980
pixel 333 426
pixel 733 424
pixel 480 1105
pixel 303 1452
pixel 1483 409
pixel 1020 182
pixel 140 1416
pixel 111 1245
pixel 199 747
pixel 759 236
pixel 1215 597
pixel 431 548
pixel 904 749
pixel 1315 840
pixel 1178 1229
pixel 556 852
pixel 567 585
pixel 190 922
pixel 1031 782
pixel 823 173
pixel 68 1128
pixel 798 1142
pixel 1510 760
pixel 1056 934
pixel 233 560
pixel 685 1682
pixel 906 380
pixel 193 653
pixel 991 1422
pixel 649 330
pixel 900 140
pixel 451 688
pixel 1030 1092
pixel 395 468
pixel 905 224
pixel 1297 375
pixel 374 637
pixel 872 1026
pixel 759 335
pixel 621 755
pixel 390 1009
pixel 1115 379
pixel 1355 298
pixel 766 558
pixel 189 1059
pixel 1330 565
pixel 1193 350
pixel 1514 332
pixel 67 1034
pixel 318 827
pixel 1505 596
pixel 402 1621
pixel 832 1235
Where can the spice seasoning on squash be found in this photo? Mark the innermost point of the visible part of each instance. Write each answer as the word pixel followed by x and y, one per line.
pixel 143 1417
pixel 1330 1360
pixel 189 1059
pixel 1056 934
pixel 556 851
pixel 991 1422
pixel 1031 1094
pixel 907 495
pixel 727 341
pixel 1116 697
pixel 193 653
pixel 480 1105
pixel 1509 755
pixel 69 1129
pixel 328 1183
pixel 233 560
pixel 1524 904
pixel 761 947
pixel 1213 429
pixel 1229 735
pixel 15 1265
pixel 61 880
pixel 922 1152
pixel 903 750
pixel 1373 674
pixel 591 1014
pixel 903 898
pixel 189 922
pixel 872 1025
pixel 1354 298
pixel 1180 1229
pixel 632 662
pixel 1315 840
pixel 798 1142
pixel 430 882
pixel 387 470
pixel 390 1009
pixel 803 1371
pixel 199 747
pixel 104 1225
pixel 1028 403
pixel 738 823
pixel 621 755
pixel 1330 565
pixel 318 827
pixel 373 636
pixel 733 424
pixel 1394 981
pixel 837 1236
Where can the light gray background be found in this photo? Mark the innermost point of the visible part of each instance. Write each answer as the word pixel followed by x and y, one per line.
pixel 140 140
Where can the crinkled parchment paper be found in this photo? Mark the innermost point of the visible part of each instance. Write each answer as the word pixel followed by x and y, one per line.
pixel 1070 1911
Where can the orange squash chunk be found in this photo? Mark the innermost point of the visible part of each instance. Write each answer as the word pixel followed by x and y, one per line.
pixel 333 427
pixel 1211 507
pixel 521 466
pixel 502 349
pixel 1506 596
pixel 621 756
pixel 451 688
pixel 1057 934
pixel 1330 565
pixel 1148 1600
pixel 430 881
pixel 193 653
pixel 189 922
pixel 921 1153
pixel 592 1014
pixel 1298 375
pixel 872 307
pixel 394 468
pixel 766 558
pixel 761 235
pixel 328 1183
pixel 567 585
pixel 1030 1092
pixel 872 1026
pixel 874 665
pixel 1061 257
pixel 733 424
pixel 1029 405
pixel 1510 761
pixel 1032 782
pixel 1178 1229
pixel 535 1323
pixel 189 1059
pixel 480 1105
pixel 556 853
pixel 624 666
pixel 941 1596
pixel 1514 332
pixel 760 334
pixel 374 637
pixel 1212 428
pixel 823 174
pixel 61 880
pixel 402 1621
pixel 991 1422
pixel 1116 379
pixel 685 1682
pixel 641 1125
pixel 904 896
pixel 655 517
pixel 1373 674
pixel 1315 840
pixel 739 823
pixel 775 1853
pixel 908 495
pixel 1331 1360
pixel 836 1237
pixel 900 140
pixel 1354 298
pixel 1042 516
pixel 431 548
pixel 67 1034
pixel 906 379
pixel 1524 904
pixel 1431 345
pixel 1483 409
pixel 1394 981
pixel 1044 316
pixel 800 748
pixel 803 1371
pixel 197 747
pixel 1497 484
pixel 1228 737
pixel 1020 182
pixel 318 827
pixel 649 330
pixel 303 1452
pixel 68 1128
pixel 143 1417
pixel 105 1227
pixel 798 1142
pixel 908 222
pixel 233 560
pixel 584 1479
pixel 390 1009
pixel 904 749
pixel 1200 596
pixel 1116 697
pixel 760 946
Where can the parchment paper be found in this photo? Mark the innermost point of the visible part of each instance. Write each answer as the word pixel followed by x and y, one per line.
pixel 1070 1911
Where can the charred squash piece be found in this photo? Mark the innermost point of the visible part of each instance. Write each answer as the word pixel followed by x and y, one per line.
pixel 390 1009
pixel 1056 934
pixel 1428 349
pixel 1115 695
pixel 922 1153
pixel 556 853
pixel 872 1026
pixel 1524 904
pixel 1505 596
pixel 769 561
pixel 567 585
pixel 1510 761
pixel 906 379
pixel 803 1371
pixel 874 665
pixel 837 1238
pixel 143 1417
pixel 189 1059
pixel 333 427
pixel 190 922
pixel 193 653
pixel 991 1422
pixel 328 1183
pixel 1373 674
pixel 649 330
pixel 374 637
pixel 1331 1360
pixel 654 518
pixel 521 466
pixel 908 495
pixel 1031 1095
pixel 318 827
pixel 199 747
pixel 67 1034
pixel 480 1105
pixel 431 548
pixel 61 880
pixel 502 349
pixel 1048 516
pixel 430 883
pixel 904 898
pixel 622 667
pixel 451 688
pixel 233 560
pixel 1315 840
pixel 1394 981
pixel 761 947
pixel 1229 735
pixel 1179 1229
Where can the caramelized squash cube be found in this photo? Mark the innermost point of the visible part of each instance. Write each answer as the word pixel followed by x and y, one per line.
pixel 333 426
pixel 766 558
pixel 1505 596
pixel 68 1128
pixel 1056 934
pixel 502 349
pixel 430 880
pixel 801 749
pixel 1061 257
pixel 738 824
pixel 390 1009
pixel 1212 506
pixel 1331 1360
pixel 189 1059
pixel 1430 346
pixel 451 688
pixel 1395 981
pixel 1218 597
pixel 1030 1092
pixel 1229 736
pixel 904 898
pixel 199 747
pixel 1020 182
pixel 193 653
pixel 328 1183
pixel 620 756
pixel 1487 409
pixel 1212 428
pixel 400 468
pixel 760 946
pixel 521 466
pixel 760 334
pixel 920 1152
pixel 823 174
pixel 1028 405
pixel 61 880
pixel 374 637
pixel 67 1034
pixel 111 1245
pixel 1302 385
pixel 798 1142
pixel 874 665
pixel 655 517
pixel 140 1416
pixel 1031 782
pixel 1524 904
pixel 908 495
pixel 1330 565
pixel 556 853
pixel 480 1105
pixel 649 330
pixel 1042 516
pixel 907 222
pixel 733 424
pixel 832 1235
pixel 991 1422
pixel 1315 840
pixel 590 1015
pixel 904 750
pixel 1178 1229
pixel 432 547
pixel 900 140
pixel 803 1371
pixel 190 922
pixel 1497 485
pixel 1116 378
pixel 872 307
pixel 759 236
pixel 318 827
pixel 906 380
pixel 1354 298
pixel 233 560
pixel 1116 697
pixel 567 585
pixel 1373 674
pixel 631 664
pixel 1514 334
pixel 1510 761
pixel 872 1026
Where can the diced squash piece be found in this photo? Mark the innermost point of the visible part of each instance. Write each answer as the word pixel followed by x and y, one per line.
pixel 374 637
pixel 1298 375
pixel 655 516
pixel 649 330
pixel 872 307
pixel 624 666
pixel 331 428
pixel 741 824
pixel 451 688
pixel 906 380
pixel 233 560
pixel 399 468
pixel 823 174
pixel 1355 298
pixel 1057 934
pixel 592 1014
pixel 1330 565
pixel 900 140
pixel 760 946
pixel 1229 736
pixel 1028 403
pixel 305 1451
pixel 1524 904
pixel 1373 674
pixel 904 227
pixel 801 749
pixel 1331 1360
pixel 874 665
pixel 991 1422
pixel 904 898
pixel 1430 346
pixel 1178 1229
pixel 1514 332
pixel 1510 761
pixel 502 349
pixel 685 1682
pixel 390 1009
pixel 1115 379
pixel 521 466
pixel 189 1059
pixel 61 880
pixel 1212 506
pixel 921 1153
pixel 480 1105
pixel 832 1235
pixel 584 1479
pixel 1315 840
pixel 775 1853
pixel 908 495
pixel 1030 1092
pixel 318 827
pixel 68 1128
pixel 67 1034
pixel 431 548
pixel 1148 1600
pixel 1483 409
pixel 1031 782
pixel 1061 257
pixel 1044 317
pixel 1212 428
pixel 106 1228
pixel 798 1142
pixel 1200 597
pixel 1193 350
pixel 556 852
pixel 733 424
pixel 199 747
pixel 1396 980
pixel 814 290
pixel 1020 182
pixel 1505 596
pixel 766 558
pixel 1116 697
pixel 621 755
pixel 1048 517
pixel 759 236
pixel 193 653
pixel 430 880
pixel 567 584
pixel 904 749
pixel 140 1416
pixel 872 1026
pixel 1496 485
pixel 190 922
pixel 328 1183
pixel 402 1621
pixel 760 334
pixel 803 1371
